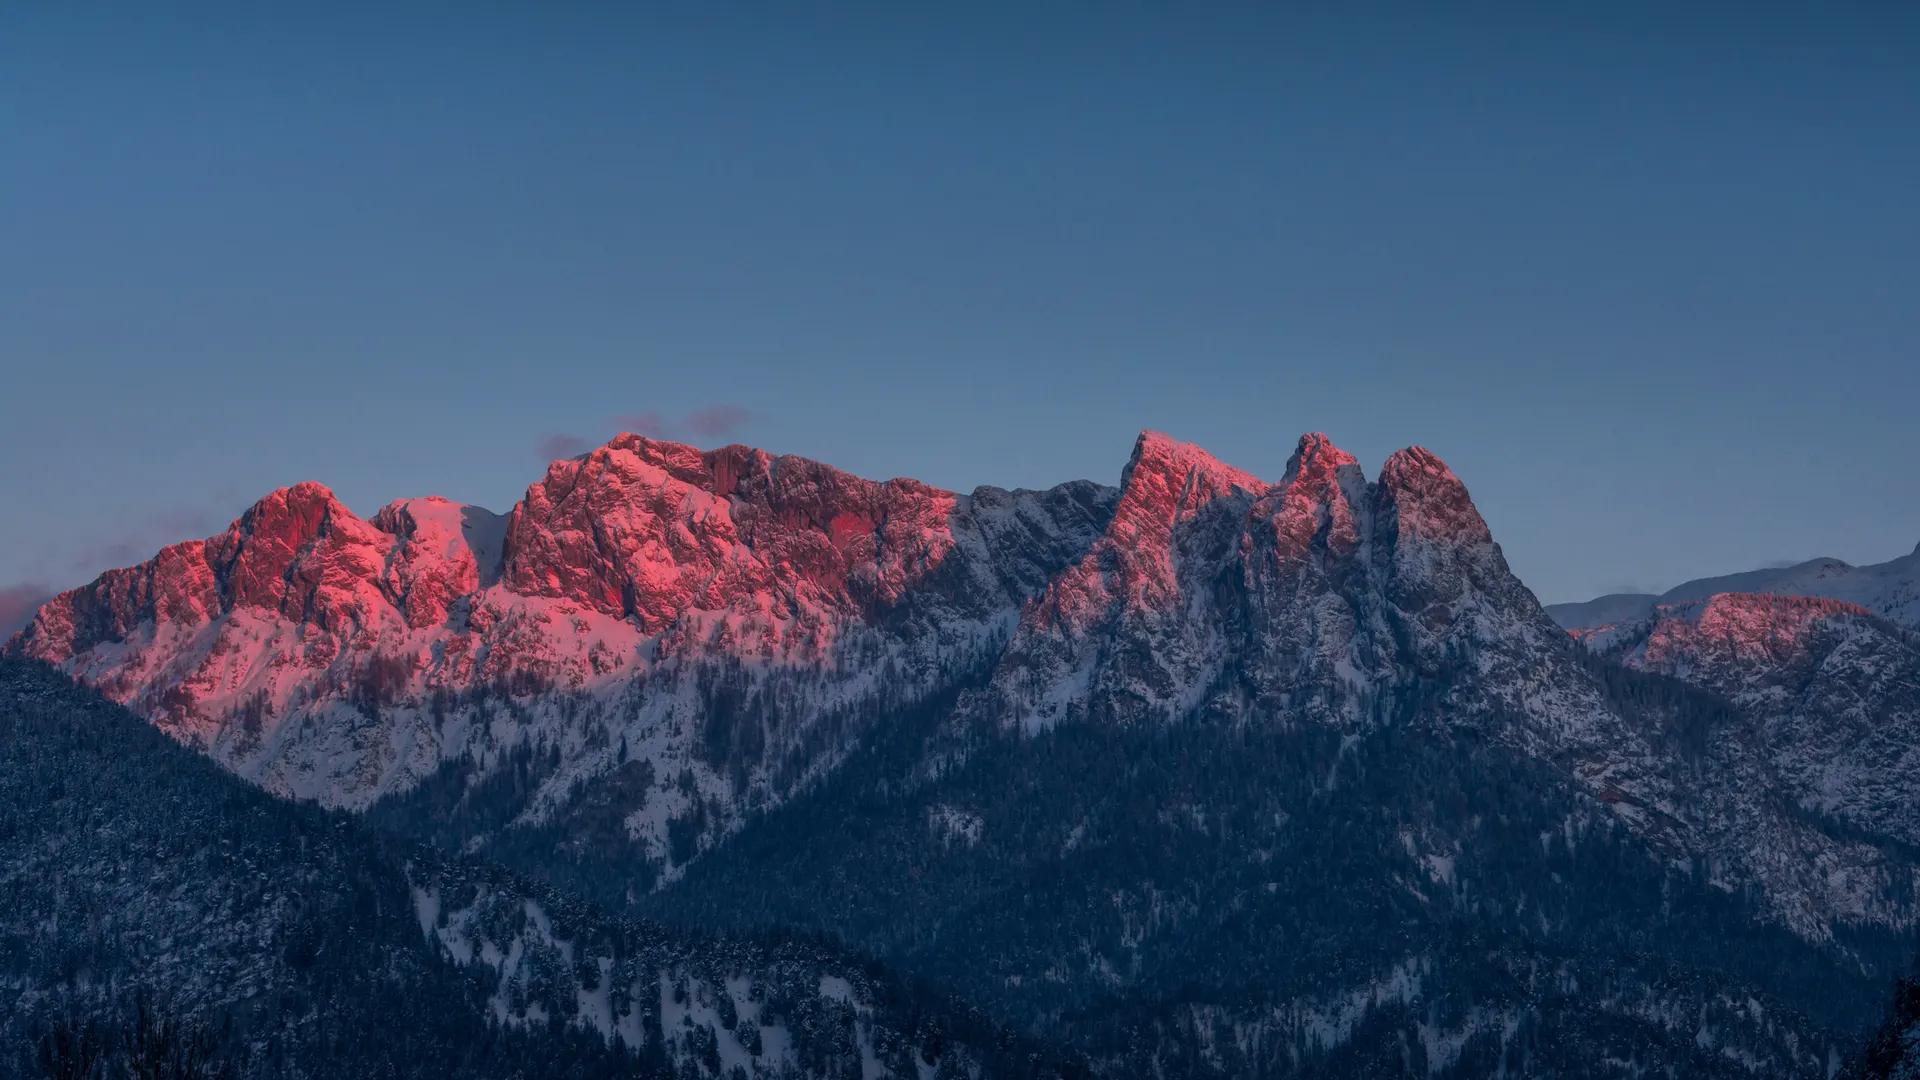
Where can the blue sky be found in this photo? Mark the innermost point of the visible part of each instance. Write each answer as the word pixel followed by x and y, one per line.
pixel 1647 280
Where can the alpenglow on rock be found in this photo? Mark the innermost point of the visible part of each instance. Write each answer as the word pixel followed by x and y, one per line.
pixel 1269 760
pixel 343 660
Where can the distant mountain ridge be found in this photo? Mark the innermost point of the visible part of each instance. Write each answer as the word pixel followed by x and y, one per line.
pixel 1207 774
pixel 1889 589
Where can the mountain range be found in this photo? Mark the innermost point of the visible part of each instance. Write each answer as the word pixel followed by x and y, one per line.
pixel 1205 774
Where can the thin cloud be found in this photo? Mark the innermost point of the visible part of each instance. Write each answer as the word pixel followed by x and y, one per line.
pixel 643 423
pixel 717 421
pixel 18 603
pixel 146 536
pixel 714 423
pixel 561 445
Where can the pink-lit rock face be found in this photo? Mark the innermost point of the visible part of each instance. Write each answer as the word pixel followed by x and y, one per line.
pixel 1890 590
pixel 1747 631
pixel 1727 640
pixel 1315 501
pixel 292 600
pixel 303 555
pixel 640 532
pixel 646 529
pixel 297 553
pixel 1304 576
pixel 1428 500
pixel 1137 564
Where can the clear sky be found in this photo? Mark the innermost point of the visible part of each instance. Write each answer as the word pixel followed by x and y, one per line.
pixel 1647 280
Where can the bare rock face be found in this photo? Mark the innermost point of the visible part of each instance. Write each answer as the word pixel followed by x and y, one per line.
pixel 648 530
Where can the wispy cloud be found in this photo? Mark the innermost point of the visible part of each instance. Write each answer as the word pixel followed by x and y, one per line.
pixel 561 445
pixel 143 535
pixel 717 421
pixel 18 603
pixel 714 423
pixel 86 553
pixel 642 423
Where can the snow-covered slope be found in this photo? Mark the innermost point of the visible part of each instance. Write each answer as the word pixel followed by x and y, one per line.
pixel 131 867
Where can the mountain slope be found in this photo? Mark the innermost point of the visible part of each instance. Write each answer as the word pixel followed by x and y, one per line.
pixel 131 866
pixel 1207 899
pixel 1834 689
pixel 1894 1053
